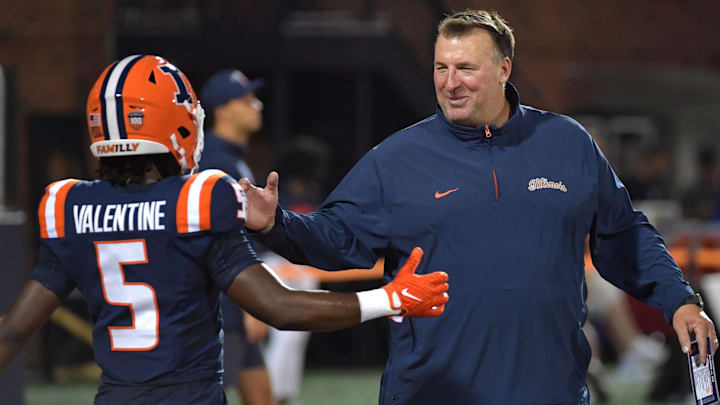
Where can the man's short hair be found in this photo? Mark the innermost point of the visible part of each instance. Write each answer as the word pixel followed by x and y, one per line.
pixel 464 22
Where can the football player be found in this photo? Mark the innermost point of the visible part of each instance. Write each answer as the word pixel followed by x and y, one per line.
pixel 151 248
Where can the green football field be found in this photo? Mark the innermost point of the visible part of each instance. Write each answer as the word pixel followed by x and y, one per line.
pixel 320 387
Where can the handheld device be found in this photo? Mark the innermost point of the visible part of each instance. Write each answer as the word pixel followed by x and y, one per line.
pixel 702 376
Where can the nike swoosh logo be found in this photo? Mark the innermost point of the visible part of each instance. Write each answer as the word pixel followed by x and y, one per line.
pixel 441 195
pixel 407 294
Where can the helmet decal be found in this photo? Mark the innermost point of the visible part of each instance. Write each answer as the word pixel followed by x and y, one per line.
pixel 182 97
pixel 136 120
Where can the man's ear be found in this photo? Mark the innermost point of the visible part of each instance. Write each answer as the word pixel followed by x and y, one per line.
pixel 506 69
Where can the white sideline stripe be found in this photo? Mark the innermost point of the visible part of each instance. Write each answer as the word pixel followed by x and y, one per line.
pixel 110 104
pixel 50 208
pixel 193 207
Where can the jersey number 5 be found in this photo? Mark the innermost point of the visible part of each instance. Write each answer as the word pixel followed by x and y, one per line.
pixel 140 298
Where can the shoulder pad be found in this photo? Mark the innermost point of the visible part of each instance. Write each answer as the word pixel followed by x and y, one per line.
pixel 51 213
pixel 210 200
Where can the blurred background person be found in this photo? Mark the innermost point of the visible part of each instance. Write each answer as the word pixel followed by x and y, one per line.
pixel 700 200
pixel 651 178
pixel 637 355
pixel 234 114
pixel 304 161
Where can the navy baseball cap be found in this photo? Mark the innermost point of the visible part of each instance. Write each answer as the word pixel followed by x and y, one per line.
pixel 225 86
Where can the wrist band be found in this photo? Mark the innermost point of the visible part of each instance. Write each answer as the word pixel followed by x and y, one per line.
pixel 374 304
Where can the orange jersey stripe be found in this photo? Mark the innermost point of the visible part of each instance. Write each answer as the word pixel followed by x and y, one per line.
pixel 205 200
pixel 41 213
pixel 60 207
pixel 52 218
pixel 181 213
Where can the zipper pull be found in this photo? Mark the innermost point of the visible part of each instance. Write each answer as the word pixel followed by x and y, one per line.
pixel 488 135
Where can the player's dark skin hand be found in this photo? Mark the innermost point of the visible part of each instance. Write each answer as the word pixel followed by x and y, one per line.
pixel 31 309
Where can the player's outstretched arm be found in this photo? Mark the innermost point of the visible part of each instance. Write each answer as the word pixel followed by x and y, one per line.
pixel 260 293
pixel 262 203
pixel 28 313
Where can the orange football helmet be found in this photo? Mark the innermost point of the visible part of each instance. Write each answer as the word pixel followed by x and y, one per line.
pixel 144 105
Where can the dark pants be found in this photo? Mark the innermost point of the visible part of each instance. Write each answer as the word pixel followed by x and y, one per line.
pixel 203 392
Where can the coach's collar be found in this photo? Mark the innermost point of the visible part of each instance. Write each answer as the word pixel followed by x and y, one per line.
pixel 500 135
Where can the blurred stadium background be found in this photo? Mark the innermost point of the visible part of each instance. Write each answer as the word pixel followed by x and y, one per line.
pixel 643 76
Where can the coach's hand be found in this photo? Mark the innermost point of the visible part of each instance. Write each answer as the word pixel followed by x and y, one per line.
pixel 689 318
pixel 418 294
pixel 262 203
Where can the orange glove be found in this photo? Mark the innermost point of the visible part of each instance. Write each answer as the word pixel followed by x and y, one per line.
pixel 421 295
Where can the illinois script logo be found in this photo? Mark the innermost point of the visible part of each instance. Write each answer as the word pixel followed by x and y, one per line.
pixel 539 183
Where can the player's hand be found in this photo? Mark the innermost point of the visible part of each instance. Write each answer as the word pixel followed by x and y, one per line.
pixel 262 203
pixel 420 295
pixel 689 318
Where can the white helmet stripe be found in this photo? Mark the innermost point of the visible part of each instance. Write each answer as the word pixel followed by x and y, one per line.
pixel 119 97
pixel 110 105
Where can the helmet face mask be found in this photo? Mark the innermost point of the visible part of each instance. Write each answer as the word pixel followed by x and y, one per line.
pixel 144 105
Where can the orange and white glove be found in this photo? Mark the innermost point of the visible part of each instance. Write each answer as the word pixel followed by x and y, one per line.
pixel 409 294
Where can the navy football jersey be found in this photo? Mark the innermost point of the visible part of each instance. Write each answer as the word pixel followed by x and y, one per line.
pixel 150 261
